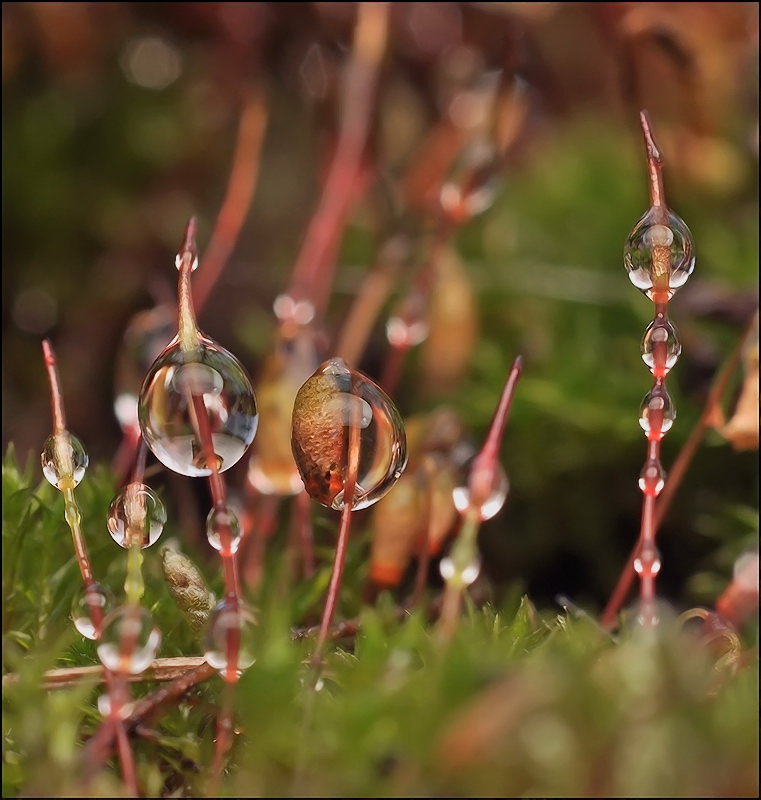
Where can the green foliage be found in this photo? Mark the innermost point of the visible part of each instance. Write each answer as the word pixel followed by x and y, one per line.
pixel 520 702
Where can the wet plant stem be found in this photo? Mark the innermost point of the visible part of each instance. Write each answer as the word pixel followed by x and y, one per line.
pixel 676 475
pixel 73 518
pixel 331 600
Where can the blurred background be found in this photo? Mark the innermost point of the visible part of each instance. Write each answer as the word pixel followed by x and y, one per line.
pixel 120 121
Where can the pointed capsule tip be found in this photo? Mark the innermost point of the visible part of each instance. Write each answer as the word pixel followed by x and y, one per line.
pixel 652 148
pixel 190 235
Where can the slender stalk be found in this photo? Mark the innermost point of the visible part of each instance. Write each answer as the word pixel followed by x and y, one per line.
pixel 73 518
pixel 463 558
pixel 342 544
pixel 240 191
pixel 312 275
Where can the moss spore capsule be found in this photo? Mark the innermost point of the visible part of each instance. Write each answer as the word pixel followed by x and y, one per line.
pixel 333 407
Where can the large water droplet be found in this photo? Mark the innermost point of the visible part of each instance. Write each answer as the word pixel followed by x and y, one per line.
pixel 129 641
pixel 136 516
pixel 230 639
pixel 655 253
pixel 187 394
pixel 64 460
pixel 335 406
pixel 660 334
pixel 657 405
pixel 94 602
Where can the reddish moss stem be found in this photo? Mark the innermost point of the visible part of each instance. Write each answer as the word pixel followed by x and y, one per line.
pixel 676 475
pixel 331 600
pixel 56 398
pixel 312 275
pixel 240 191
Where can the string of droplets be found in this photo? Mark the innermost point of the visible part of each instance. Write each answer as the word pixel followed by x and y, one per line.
pixel 658 257
pixel 198 415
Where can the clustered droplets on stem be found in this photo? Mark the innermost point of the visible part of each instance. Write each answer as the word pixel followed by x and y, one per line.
pixel 659 258
pixel 198 414
pixel 480 499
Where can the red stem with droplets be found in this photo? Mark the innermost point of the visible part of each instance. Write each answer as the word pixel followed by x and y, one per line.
pixel 675 476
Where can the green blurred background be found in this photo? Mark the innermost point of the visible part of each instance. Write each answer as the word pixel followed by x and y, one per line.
pixel 120 122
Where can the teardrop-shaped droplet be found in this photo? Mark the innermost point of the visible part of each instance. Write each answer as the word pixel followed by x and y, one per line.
pixel 652 478
pixel 90 608
pixel 129 641
pixel 104 707
pixel 136 516
pixel 659 257
pixel 647 561
pixel 657 412
pixel 230 639
pixel 459 576
pixel 660 347
pixel 64 460
pixel 336 409
pixel 493 503
pixel 197 408
pixel 223 530
pixel 472 184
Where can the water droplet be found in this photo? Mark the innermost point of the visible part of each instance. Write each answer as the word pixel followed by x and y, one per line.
pixel 647 561
pixel 652 478
pixel 300 312
pixel 495 499
pixel 402 333
pixel 104 707
pixel 472 184
pixel 657 412
pixel 64 460
pixel 136 515
pixel 230 639
pixel 183 255
pixel 129 640
pixel 660 334
pixel 95 601
pixel 459 575
pixel 217 520
pixel 658 256
pixel 176 384
pixel 330 404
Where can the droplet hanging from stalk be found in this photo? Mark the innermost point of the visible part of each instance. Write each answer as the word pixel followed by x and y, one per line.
pixel 196 392
pixel 331 405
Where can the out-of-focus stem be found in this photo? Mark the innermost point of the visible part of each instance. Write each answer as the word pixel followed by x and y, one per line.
pixel 240 191
pixel 312 275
